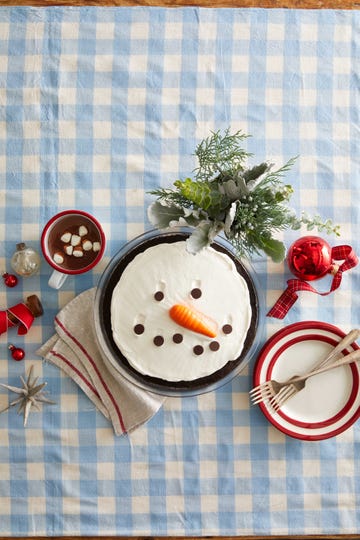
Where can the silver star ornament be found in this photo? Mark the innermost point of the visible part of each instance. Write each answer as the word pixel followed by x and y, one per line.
pixel 30 395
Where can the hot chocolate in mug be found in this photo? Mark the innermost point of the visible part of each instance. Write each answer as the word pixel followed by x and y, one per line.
pixel 72 242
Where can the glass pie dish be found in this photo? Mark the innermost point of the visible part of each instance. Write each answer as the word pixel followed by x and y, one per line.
pixel 103 321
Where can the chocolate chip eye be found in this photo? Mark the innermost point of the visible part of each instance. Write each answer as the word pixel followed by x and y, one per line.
pixel 159 295
pixel 177 338
pixel 139 329
pixel 158 341
pixel 196 293
pixel 227 329
pixel 198 349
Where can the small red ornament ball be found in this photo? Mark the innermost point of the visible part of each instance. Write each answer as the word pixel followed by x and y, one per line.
pixel 309 258
pixel 17 353
pixel 10 280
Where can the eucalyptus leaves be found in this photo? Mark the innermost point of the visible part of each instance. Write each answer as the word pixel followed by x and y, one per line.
pixel 248 205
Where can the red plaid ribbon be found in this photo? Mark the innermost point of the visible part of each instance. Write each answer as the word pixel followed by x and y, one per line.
pixel 289 297
pixel 22 313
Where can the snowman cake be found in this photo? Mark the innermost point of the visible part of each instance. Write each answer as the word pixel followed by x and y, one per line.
pixel 182 318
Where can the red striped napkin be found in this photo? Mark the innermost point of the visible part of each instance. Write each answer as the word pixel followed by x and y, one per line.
pixel 74 349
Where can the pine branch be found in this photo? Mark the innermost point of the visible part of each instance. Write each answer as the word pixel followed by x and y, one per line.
pixel 219 153
pixel 250 205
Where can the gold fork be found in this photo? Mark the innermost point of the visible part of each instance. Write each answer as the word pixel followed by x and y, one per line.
pixel 270 390
pixel 298 383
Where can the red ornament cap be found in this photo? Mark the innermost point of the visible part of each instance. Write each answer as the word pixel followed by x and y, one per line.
pixel 310 258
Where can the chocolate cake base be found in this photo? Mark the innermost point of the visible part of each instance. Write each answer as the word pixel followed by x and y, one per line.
pixel 111 352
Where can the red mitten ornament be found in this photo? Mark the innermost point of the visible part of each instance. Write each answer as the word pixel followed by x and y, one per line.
pixel 311 258
pixel 21 315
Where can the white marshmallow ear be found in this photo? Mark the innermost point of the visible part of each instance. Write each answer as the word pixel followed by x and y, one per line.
pixel 58 258
pixel 78 252
pixel 66 237
pixel 75 240
pixel 87 245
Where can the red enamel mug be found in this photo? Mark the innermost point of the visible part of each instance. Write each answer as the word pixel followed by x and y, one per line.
pixel 72 242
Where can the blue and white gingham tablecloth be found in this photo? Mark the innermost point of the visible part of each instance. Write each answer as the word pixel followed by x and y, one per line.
pixel 97 106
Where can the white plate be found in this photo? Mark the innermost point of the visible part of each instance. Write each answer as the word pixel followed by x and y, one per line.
pixel 330 402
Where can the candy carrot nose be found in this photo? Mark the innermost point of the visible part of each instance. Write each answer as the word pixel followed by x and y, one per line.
pixel 193 320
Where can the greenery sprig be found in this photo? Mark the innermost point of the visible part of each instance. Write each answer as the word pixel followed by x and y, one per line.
pixel 248 205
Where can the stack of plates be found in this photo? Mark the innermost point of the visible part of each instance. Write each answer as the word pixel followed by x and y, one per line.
pixel 330 402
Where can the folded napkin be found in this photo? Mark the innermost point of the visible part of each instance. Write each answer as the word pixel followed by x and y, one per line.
pixel 74 349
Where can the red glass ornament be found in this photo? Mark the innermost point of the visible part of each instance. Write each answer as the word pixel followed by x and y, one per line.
pixel 10 280
pixel 310 258
pixel 17 353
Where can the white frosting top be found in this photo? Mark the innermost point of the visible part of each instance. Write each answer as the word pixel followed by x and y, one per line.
pixel 137 317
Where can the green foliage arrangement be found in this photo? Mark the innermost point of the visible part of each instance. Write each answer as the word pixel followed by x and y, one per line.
pixel 248 205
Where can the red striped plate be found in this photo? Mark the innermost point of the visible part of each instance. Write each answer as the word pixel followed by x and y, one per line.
pixel 330 402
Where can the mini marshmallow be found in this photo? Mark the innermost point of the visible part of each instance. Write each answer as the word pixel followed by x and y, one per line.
pixel 96 246
pixel 87 245
pixel 66 237
pixel 78 252
pixel 75 240
pixel 58 258
pixel 83 230
pixel 68 249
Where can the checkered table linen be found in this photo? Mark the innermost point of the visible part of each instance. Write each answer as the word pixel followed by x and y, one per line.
pixel 97 107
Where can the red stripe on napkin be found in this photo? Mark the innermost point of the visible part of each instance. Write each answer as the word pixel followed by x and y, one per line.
pixel 106 388
pixel 78 373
